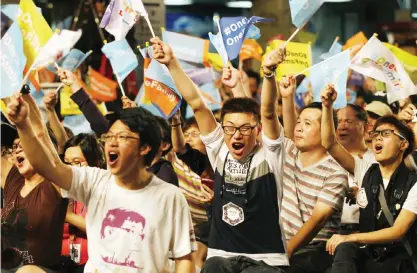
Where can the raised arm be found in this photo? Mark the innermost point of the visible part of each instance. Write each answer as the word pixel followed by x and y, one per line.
pixel 287 89
pixel 232 79
pixel 50 101
pixel 269 96
pixel 328 132
pixel 177 135
pixel 45 162
pixel 162 52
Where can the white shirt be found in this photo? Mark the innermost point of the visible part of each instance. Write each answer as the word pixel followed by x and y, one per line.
pixel 132 230
pixel 410 203
pixel 350 213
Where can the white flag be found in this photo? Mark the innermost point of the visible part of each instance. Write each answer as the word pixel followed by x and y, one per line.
pixel 57 46
pixel 121 15
pixel 377 61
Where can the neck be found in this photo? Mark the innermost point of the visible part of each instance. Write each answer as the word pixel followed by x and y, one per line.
pixel 311 157
pixel 356 148
pixel 33 179
pixel 135 180
pixel 388 168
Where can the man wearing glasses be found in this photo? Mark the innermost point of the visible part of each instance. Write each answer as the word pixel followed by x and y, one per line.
pixel 245 231
pixel 387 199
pixel 135 219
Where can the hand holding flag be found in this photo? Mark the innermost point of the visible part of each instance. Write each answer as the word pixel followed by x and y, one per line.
pixel 272 60
pixel 162 52
pixel 287 86
pixel 68 78
pixel 328 96
pixel 230 76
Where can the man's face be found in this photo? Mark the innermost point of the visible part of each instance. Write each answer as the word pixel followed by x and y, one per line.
pixel 243 141
pixel 253 86
pixel 123 154
pixel 20 160
pixel 192 137
pixel 388 148
pixel 349 129
pixel 307 134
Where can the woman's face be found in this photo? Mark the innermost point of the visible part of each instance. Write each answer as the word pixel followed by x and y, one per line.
pixel 75 157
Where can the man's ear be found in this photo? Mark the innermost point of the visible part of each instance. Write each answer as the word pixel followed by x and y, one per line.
pixel 165 146
pixel 144 150
pixel 404 145
pixel 259 129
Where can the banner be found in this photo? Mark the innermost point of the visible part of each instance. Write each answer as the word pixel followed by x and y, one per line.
pixel 409 61
pixel 35 30
pixel 69 107
pixel 303 10
pixel 71 61
pixel 121 15
pixel 357 39
pixel 100 87
pixel 121 57
pixel 187 48
pixel 160 89
pixel 250 50
pixel 335 71
pixel 307 37
pixel 298 58
pixel 376 61
pixel 234 30
pixel 336 48
pixel 59 45
pixel 13 61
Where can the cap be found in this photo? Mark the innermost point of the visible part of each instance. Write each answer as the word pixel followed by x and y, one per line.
pixel 378 108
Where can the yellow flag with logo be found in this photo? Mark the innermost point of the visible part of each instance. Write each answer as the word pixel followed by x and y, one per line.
pixel 35 30
pixel 69 107
pixel 408 60
pixel 298 58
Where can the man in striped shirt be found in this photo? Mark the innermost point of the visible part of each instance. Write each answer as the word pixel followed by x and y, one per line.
pixel 314 187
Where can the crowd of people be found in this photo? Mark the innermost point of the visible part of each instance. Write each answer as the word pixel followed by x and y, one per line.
pixel 261 186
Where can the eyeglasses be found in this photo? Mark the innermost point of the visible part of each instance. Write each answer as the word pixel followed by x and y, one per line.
pixel 75 163
pixel 120 137
pixel 384 133
pixel 245 130
pixel 193 134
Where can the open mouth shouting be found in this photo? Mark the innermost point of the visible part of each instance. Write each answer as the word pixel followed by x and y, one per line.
pixel 20 160
pixel 112 158
pixel 378 148
pixel 238 148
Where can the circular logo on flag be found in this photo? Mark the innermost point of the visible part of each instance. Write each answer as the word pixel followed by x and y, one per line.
pixel 233 214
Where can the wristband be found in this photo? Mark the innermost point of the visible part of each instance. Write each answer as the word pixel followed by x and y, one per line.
pixel 269 76
pixel 176 125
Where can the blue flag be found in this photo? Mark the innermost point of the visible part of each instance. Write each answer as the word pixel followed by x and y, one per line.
pixel 121 57
pixel 12 10
pixel 71 61
pixel 13 61
pixel 217 42
pixel 333 70
pixel 303 10
pixel 303 87
pixel 234 31
pixel 334 49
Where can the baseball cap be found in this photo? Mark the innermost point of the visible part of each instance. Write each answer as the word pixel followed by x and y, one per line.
pixel 378 108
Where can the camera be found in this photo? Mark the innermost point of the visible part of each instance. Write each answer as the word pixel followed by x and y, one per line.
pixel 379 253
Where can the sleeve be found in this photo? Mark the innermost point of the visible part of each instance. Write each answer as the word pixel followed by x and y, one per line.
pixel 84 181
pixel 334 190
pixel 194 159
pixel 274 145
pixel 413 159
pixel 99 124
pixel 214 142
pixel 167 173
pixel 410 203
pixel 183 240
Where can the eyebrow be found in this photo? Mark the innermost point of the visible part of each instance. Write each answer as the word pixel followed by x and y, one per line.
pixel 246 124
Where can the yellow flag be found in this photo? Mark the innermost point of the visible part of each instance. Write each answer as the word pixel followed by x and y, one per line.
pixel 69 107
pixel 35 30
pixel 298 58
pixel 358 38
pixel 408 60
pixel 215 61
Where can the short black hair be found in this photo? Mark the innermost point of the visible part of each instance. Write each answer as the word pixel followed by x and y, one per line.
pixel 319 106
pixel 166 133
pixel 141 121
pixel 360 112
pixel 253 74
pixel 402 128
pixel 90 147
pixel 190 122
pixel 241 105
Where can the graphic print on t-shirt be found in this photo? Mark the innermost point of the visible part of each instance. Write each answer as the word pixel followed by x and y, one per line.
pixel 126 224
pixel 236 172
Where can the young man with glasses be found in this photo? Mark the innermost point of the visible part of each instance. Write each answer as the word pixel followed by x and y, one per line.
pixel 245 231
pixel 134 219
pixel 387 200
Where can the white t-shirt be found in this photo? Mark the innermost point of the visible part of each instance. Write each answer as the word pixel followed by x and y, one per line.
pixel 350 213
pixel 410 203
pixel 132 230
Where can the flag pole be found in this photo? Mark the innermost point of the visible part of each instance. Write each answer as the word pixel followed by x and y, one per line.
pixel 149 25
pixel 217 20
pixel 292 36
pixel 121 87
pixel 334 43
